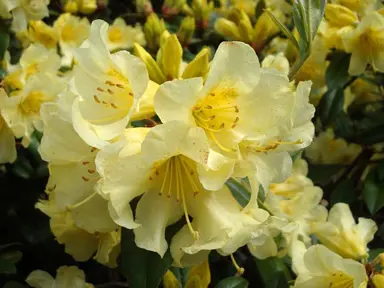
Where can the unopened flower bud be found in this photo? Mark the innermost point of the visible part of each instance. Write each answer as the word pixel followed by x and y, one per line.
pixel 340 16
pixel 186 30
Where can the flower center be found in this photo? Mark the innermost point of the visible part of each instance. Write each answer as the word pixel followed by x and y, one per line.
pixel 217 112
pixel 32 103
pixel 174 178
pixel 340 280
pixel 371 42
pixel 115 93
pixel 115 35
pixel 68 33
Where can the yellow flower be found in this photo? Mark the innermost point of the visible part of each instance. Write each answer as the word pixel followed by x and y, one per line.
pixel 326 149
pixel 378 280
pixel 8 152
pixel 297 200
pixel 72 31
pixel 145 108
pixel 342 235
pixel 166 171
pixel 25 11
pixel 66 277
pixel 21 110
pixel 225 107
pixel 122 36
pixel 109 87
pixel 39 32
pixel 248 6
pixel 319 267
pixel 366 44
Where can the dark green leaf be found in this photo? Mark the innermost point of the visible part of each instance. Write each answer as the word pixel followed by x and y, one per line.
pixel 12 256
pixel 337 71
pixel 374 253
pixel 240 193
pixel 373 191
pixel 344 192
pixel 322 174
pixel 331 105
pixel 232 282
pixel 142 268
pixel 4 38
pixel 259 8
pixel 343 126
pixel 14 284
pixel 7 267
pixel 274 272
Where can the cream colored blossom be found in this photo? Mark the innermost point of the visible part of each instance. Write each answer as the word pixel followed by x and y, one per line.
pixel 41 33
pixel 326 149
pixel 109 87
pixel 8 152
pixel 25 10
pixel 366 44
pixel 243 108
pixel 21 108
pixel 66 277
pixel 297 200
pixel 342 235
pixel 72 31
pixel 321 268
pixel 278 62
pixel 166 171
pixel 122 36
pixel 79 216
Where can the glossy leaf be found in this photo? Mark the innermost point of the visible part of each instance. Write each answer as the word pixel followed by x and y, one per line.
pixel 331 105
pixel 240 193
pixel 373 191
pixel 142 268
pixel 232 282
pixel 273 272
pixel 336 74
pixel 344 192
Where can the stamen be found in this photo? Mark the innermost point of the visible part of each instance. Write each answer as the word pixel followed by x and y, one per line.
pixel 240 270
pixel 70 207
pixel 220 145
pixel 164 179
pixel 189 176
pixel 96 99
pixel 114 105
pixel 194 233
pixel 110 91
pixel 85 178
pixel 100 89
pixel 120 86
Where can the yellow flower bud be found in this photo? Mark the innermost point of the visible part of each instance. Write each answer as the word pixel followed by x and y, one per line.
pixel 153 29
pixel 236 15
pixel 144 6
pixel 172 53
pixel 340 16
pixel 154 72
pixel 199 66
pixel 246 31
pixel 186 30
pixel 87 6
pixel 70 6
pixel 170 280
pixel 378 280
pixel 227 28
pixel 172 7
pixel 264 28
pixel 199 276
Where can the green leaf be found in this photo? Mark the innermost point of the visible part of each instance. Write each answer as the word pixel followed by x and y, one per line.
pixel 336 74
pixel 284 29
pixel 142 268
pixel 373 191
pixel 259 8
pixel 344 192
pixel 232 282
pixel 4 39
pixel 331 105
pixel 7 266
pixel 238 191
pixel 374 253
pixel 322 174
pixel 14 284
pixel 274 272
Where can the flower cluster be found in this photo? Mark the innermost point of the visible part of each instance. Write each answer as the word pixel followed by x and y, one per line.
pixel 140 136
